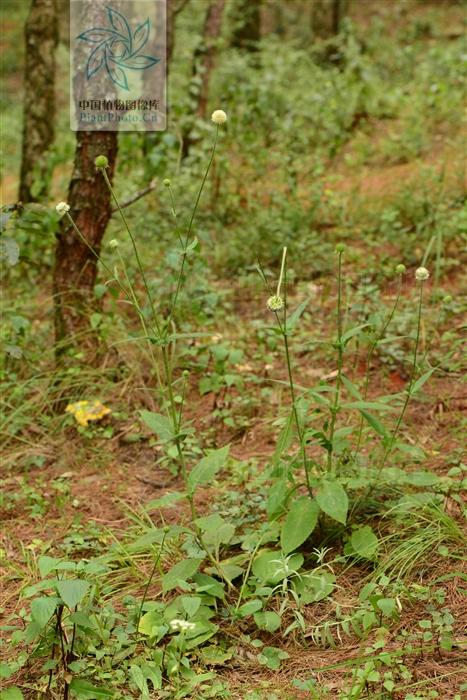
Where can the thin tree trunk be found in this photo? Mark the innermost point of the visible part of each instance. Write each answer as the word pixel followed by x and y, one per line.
pixel 204 59
pixel 327 16
pixel 41 35
pixel 75 266
pixel 246 18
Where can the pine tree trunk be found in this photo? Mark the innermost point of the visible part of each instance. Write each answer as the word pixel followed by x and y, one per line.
pixel 327 16
pixel 75 266
pixel 41 35
pixel 246 19
pixel 204 59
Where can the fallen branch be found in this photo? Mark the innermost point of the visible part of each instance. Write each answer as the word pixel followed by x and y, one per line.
pixel 152 186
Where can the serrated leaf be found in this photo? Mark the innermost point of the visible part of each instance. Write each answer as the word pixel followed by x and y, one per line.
pixel 160 425
pixel 72 591
pixel 332 499
pixel 42 610
pixel 299 524
pixel 206 469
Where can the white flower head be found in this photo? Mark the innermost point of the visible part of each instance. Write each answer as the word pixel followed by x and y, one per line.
pixel 62 208
pixel 113 243
pixel 181 625
pixel 421 274
pixel 219 116
pixel 275 303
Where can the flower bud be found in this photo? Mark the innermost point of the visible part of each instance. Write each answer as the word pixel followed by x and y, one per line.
pixel 340 248
pixel 400 269
pixel 166 182
pixel 447 299
pixel 101 162
pixel 275 303
pixel 219 116
pixel 421 274
pixel 113 243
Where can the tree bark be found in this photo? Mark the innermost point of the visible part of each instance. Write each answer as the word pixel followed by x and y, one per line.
pixel 41 36
pixel 327 16
pixel 246 18
pixel 204 59
pixel 75 265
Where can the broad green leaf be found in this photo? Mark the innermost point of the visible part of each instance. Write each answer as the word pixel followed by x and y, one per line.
pixel 208 584
pixel 387 606
pixel 42 610
pixel 269 565
pixel 5 670
pixel 207 468
pixel 13 693
pixel 299 523
pixel 160 425
pixel 153 625
pixel 422 478
pixel 250 607
pixel 180 572
pixel 316 586
pixel 364 542
pixel 277 495
pixel 332 499
pixel 72 591
pixel 83 689
pixel 191 604
pixel 269 621
pixel 47 564
pixel 9 250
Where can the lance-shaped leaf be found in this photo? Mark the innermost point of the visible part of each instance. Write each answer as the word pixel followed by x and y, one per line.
pixel 98 35
pixel 119 23
pixel 95 61
pixel 117 75
pixel 138 62
pixel 140 36
pixel 206 469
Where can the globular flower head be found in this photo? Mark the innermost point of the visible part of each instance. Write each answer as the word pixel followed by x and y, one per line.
pixel 421 274
pixel 101 162
pixel 219 116
pixel 181 625
pixel 340 248
pixel 62 208
pixel 275 303
pixel 400 269
pixel 447 299
pixel 166 182
pixel 113 243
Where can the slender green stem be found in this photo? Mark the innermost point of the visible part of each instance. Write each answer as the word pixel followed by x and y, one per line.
pixel 154 569
pixel 283 329
pixel 135 250
pixel 395 432
pixel 189 229
pixel 340 358
pixel 371 350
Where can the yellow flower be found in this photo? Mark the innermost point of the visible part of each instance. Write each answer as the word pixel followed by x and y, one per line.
pixel 85 411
